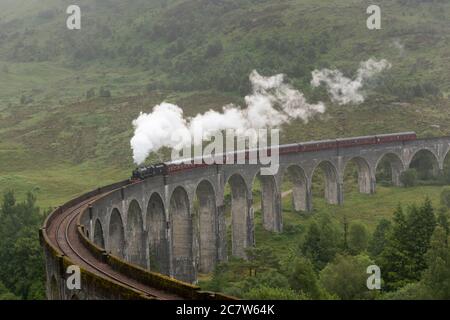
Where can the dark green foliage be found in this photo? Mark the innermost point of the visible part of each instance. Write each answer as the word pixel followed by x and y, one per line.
pixel 104 93
pixel 409 178
pixel 271 293
pixel 21 258
pixel 403 258
pixel 214 49
pixel 321 242
pixel 378 241
pixel 442 221
pixel 358 238
pixel 303 279
pixel 346 277
pixel 445 197
pixel 90 93
pixel 437 275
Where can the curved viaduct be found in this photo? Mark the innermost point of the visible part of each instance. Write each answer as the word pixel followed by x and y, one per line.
pixel 133 239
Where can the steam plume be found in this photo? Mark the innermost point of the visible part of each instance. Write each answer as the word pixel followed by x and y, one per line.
pixel 271 103
pixel 344 90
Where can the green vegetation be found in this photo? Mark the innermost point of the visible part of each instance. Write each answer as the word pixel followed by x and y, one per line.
pixel 67 101
pixel 21 258
pixel 316 258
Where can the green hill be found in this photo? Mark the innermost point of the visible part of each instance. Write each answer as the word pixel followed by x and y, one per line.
pixel 198 53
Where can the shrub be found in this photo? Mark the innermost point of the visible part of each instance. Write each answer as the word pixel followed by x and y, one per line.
pixel 268 293
pixel 409 178
pixel 104 93
pixel 445 197
pixel 358 238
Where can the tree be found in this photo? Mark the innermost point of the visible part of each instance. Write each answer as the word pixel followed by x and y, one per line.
pixel 269 293
pixel 303 279
pixel 358 238
pixel 21 259
pixel 409 178
pixel 346 276
pixel 379 240
pixel 311 245
pixel 403 258
pixel 442 221
pixel 214 49
pixel 90 93
pixel 321 242
pixel 421 225
pixel 437 276
pixel 104 93
pixel 394 259
pixel 445 197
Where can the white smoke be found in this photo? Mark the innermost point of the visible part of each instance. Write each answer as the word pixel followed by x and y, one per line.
pixel 344 90
pixel 272 103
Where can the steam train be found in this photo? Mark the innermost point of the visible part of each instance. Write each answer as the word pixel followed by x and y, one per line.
pixel 165 169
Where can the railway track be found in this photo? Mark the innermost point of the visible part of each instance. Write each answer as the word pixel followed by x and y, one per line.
pixel 62 232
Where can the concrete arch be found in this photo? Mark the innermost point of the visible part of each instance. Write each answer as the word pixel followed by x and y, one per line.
pixel 206 226
pixel 300 194
pixel 241 216
pixel 333 192
pixel 99 238
pixel 182 235
pixel 157 235
pixel 431 158
pixel 54 290
pixel 116 233
pixel 135 244
pixel 366 181
pixel 270 202
pixel 396 165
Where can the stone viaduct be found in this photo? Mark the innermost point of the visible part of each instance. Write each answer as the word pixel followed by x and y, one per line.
pixel 133 240
pixel 176 224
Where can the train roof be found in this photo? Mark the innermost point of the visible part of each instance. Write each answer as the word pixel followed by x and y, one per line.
pixel 396 134
pixel 187 160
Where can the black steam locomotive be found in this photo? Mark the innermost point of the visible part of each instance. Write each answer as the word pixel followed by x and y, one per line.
pixel 142 173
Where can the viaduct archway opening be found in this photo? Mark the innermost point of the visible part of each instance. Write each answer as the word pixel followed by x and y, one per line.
pixel 388 170
pixel 238 220
pixel 99 239
pixel 206 230
pixel 135 235
pixel 426 165
pixel 116 238
pixel 295 183
pixel 325 182
pixel 182 236
pixel 357 176
pixel 159 253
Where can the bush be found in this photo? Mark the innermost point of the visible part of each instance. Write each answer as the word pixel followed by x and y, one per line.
pixel 409 178
pixel 346 277
pixel 358 238
pixel 104 93
pixel 214 49
pixel 268 293
pixel 90 93
pixel 445 197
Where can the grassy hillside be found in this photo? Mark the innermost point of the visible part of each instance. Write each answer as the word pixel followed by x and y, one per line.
pixel 197 53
